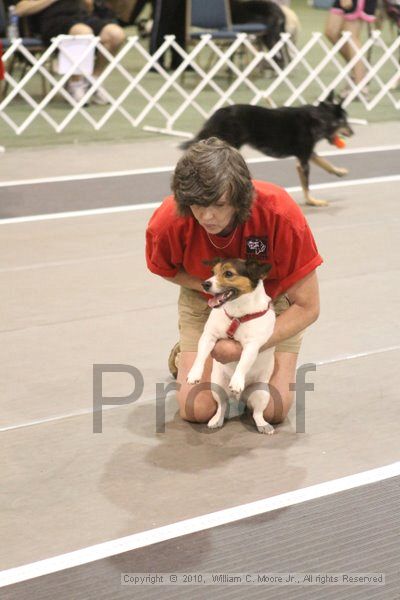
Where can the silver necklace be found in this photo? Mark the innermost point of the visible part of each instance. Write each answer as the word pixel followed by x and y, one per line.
pixel 229 241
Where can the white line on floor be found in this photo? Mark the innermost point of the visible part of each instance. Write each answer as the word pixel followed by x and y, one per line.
pixel 153 205
pixel 86 176
pixel 167 169
pixel 89 411
pixel 189 526
pixel 347 151
pixel 81 213
pixel 71 261
pixel 78 413
pixel 357 355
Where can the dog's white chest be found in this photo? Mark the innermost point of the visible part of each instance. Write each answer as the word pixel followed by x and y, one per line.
pixel 223 327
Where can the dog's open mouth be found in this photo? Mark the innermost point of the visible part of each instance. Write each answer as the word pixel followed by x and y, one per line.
pixel 343 132
pixel 220 299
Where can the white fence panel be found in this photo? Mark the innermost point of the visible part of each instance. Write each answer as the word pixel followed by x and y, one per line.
pixel 311 72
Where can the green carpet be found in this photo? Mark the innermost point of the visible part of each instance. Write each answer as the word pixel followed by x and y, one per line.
pixel 118 129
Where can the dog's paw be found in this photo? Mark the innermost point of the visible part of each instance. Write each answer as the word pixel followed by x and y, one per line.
pixel 315 202
pixel 340 172
pixel 194 376
pixel 267 428
pixel 236 384
pixel 216 422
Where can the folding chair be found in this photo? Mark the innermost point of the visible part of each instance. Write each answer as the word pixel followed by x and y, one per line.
pixel 33 44
pixel 213 17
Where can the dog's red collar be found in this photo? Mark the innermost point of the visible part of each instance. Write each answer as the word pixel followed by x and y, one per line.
pixel 235 321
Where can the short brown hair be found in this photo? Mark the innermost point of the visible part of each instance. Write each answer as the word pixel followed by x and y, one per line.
pixel 209 169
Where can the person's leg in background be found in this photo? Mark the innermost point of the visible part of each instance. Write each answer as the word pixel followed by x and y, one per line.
pixel 169 19
pixel 179 24
pixel 77 84
pixel 355 29
pixel 158 30
pixel 335 25
pixel 112 36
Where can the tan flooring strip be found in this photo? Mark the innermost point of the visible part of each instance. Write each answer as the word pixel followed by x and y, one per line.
pixel 196 524
pixel 89 411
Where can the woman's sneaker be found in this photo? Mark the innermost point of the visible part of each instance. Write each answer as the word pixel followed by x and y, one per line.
pixel 100 97
pixel 77 88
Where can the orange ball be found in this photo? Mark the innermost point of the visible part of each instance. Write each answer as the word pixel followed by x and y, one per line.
pixel 339 142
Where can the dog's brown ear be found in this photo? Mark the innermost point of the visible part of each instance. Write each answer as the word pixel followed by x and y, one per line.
pixel 257 270
pixel 213 262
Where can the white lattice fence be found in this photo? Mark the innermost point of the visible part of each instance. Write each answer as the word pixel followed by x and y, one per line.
pixel 144 94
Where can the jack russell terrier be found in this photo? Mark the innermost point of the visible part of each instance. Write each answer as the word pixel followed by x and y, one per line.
pixel 247 317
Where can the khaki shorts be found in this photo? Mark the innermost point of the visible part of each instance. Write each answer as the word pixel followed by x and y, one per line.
pixel 193 313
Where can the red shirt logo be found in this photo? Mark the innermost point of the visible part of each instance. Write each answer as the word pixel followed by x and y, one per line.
pixel 257 247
